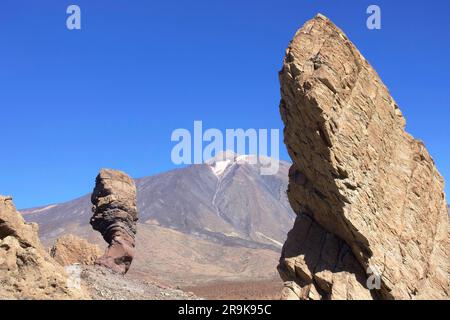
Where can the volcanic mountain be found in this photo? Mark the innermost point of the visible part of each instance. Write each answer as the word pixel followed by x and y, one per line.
pixel 217 221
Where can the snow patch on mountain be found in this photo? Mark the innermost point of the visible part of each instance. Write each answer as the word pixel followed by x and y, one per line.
pixel 39 209
pixel 223 160
pixel 219 167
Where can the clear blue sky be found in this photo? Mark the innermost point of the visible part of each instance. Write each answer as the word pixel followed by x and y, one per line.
pixel 110 95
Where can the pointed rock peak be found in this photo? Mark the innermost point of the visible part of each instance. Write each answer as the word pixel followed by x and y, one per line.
pixel 357 176
pixel 321 16
pixel 320 28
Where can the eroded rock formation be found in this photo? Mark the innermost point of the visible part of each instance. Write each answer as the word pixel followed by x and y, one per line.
pixel 70 249
pixel 26 270
pixel 318 265
pixel 114 216
pixel 367 195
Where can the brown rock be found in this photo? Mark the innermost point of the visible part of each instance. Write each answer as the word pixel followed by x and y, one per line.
pixel 321 265
pixel 70 249
pixel 26 270
pixel 360 184
pixel 115 216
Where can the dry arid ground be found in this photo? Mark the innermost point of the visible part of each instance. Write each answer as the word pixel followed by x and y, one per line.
pixel 268 289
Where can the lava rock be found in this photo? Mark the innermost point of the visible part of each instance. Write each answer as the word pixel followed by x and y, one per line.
pixel 115 215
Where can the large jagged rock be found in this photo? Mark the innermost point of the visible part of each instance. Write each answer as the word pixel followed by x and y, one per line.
pixel 70 249
pixel 26 270
pixel 367 194
pixel 114 216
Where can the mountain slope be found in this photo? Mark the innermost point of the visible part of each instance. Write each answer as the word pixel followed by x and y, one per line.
pixel 222 219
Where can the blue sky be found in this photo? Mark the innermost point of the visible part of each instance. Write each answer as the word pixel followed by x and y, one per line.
pixel 111 94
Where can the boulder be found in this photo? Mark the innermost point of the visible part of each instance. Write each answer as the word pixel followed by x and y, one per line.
pixel 26 270
pixel 70 249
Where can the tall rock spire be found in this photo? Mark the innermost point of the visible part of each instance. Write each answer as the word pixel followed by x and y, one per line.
pixel 114 216
pixel 358 180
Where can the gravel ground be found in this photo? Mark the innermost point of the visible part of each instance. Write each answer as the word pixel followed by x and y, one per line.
pixel 102 284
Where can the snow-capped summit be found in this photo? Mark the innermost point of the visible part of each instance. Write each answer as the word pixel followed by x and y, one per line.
pixel 221 162
pixel 225 159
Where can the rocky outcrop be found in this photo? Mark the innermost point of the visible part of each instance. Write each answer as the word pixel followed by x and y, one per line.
pixel 114 216
pixel 368 197
pixel 26 270
pixel 70 249
pixel 318 265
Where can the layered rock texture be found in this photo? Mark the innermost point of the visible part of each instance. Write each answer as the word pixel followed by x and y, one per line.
pixel 368 197
pixel 114 216
pixel 70 249
pixel 26 270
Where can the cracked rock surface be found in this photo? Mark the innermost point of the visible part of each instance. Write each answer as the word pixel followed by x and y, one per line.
pixel 367 195
pixel 26 270
pixel 70 249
